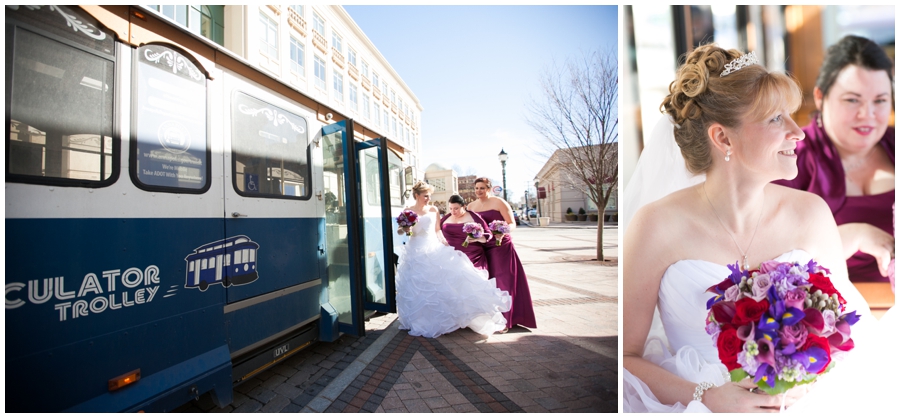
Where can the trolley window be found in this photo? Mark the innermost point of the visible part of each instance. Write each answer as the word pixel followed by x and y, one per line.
pixel 170 149
pixel 60 82
pixel 271 150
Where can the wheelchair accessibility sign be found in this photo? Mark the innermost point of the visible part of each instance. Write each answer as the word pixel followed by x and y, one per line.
pixel 251 183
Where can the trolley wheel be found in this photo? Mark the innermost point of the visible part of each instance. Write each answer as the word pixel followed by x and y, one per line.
pixel 203 286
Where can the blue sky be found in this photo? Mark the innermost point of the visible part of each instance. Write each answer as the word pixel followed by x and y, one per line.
pixel 474 68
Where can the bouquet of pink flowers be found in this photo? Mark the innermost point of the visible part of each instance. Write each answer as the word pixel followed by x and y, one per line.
pixel 499 229
pixel 407 218
pixel 473 230
pixel 779 324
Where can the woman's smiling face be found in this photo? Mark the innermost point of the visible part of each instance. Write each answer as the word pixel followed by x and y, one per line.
pixel 857 109
pixel 767 146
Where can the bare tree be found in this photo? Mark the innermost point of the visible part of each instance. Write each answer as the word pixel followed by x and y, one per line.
pixel 577 116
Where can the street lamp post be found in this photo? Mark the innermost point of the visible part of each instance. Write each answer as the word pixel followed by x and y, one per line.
pixel 503 157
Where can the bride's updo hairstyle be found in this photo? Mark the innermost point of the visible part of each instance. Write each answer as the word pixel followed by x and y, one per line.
pixel 699 97
pixel 421 187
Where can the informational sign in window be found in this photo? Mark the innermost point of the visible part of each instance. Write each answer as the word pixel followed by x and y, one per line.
pixel 170 120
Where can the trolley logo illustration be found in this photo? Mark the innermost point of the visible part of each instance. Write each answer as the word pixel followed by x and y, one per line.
pixel 231 261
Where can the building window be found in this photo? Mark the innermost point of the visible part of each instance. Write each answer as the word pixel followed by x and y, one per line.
pixel 203 20
pixel 351 56
pixel 318 24
pixel 297 54
pixel 319 67
pixel 365 106
pixel 394 126
pixel 365 69
pixel 393 97
pixel 269 36
pixel 354 102
pixel 375 79
pixel 338 85
pixel 337 42
pixel 377 114
pixel 438 184
pixel 298 8
pixel 387 120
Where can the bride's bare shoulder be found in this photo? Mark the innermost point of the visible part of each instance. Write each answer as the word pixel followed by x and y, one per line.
pixel 679 205
pixel 800 207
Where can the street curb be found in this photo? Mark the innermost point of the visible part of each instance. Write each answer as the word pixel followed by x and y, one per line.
pixel 337 386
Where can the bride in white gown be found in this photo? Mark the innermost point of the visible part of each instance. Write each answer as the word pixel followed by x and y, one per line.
pixel 438 288
pixel 712 204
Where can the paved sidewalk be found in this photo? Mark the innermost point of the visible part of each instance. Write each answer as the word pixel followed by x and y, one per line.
pixel 568 364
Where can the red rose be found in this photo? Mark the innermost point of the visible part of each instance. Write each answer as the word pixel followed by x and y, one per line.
pixel 748 310
pixel 723 311
pixel 729 346
pixel 821 342
pixel 820 282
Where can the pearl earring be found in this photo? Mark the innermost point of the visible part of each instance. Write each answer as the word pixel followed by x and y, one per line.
pixel 728 155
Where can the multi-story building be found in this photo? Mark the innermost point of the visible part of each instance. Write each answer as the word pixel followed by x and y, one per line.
pixel 466 185
pixel 321 52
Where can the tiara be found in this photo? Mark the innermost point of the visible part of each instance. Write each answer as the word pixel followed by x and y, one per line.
pixel 745 60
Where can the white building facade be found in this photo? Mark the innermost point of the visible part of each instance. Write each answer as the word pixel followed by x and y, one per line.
pixel 321 52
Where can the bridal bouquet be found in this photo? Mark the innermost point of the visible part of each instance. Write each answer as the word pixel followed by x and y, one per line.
pixel 407 218
pixel 499 228
pixel 473 230
pixel 779 324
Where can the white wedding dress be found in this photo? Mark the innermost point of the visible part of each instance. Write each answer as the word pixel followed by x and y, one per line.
pixel 440 291
pixel 864 379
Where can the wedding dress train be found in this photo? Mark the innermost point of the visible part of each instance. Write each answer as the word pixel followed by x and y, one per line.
pixel 440 291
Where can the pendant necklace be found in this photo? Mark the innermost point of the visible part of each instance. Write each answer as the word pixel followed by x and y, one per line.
pixel 746 263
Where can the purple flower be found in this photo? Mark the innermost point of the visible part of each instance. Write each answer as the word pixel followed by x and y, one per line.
pixel 732 294
pixel 794 298
pixel 712 329
pixel 761 285
pixel 766 352
pixel 813 359
pixel 766 373
pixel 473 230
pixel 736 273
pixel 767 266
pixel 794 334
pixel 830 322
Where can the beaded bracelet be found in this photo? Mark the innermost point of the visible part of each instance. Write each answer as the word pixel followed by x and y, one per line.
pixel 698 392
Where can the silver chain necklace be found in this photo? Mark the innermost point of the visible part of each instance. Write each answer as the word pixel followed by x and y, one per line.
pixel 746 263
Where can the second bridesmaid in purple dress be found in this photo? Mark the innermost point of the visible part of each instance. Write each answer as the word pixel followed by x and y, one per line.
pixel 503 261
pixel 452 227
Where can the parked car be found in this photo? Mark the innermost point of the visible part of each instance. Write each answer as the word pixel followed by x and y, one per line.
pixel 532 213
pixel 516 216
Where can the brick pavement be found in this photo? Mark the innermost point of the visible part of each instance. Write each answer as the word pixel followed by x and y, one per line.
pixel 568 364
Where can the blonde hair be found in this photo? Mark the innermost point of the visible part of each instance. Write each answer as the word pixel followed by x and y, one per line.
pixel 699 97
pixel 422 187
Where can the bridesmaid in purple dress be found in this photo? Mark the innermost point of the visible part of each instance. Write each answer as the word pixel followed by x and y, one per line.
pixel 452 227
pixel 847 157
pixel 503 262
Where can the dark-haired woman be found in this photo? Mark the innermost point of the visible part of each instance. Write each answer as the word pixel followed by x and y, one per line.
pixel 452 227
pixel 503 261
pixel 847 157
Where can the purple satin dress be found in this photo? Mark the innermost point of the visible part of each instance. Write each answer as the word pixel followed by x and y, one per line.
pixel 455 237
pixel 821 172
pixel 504 264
